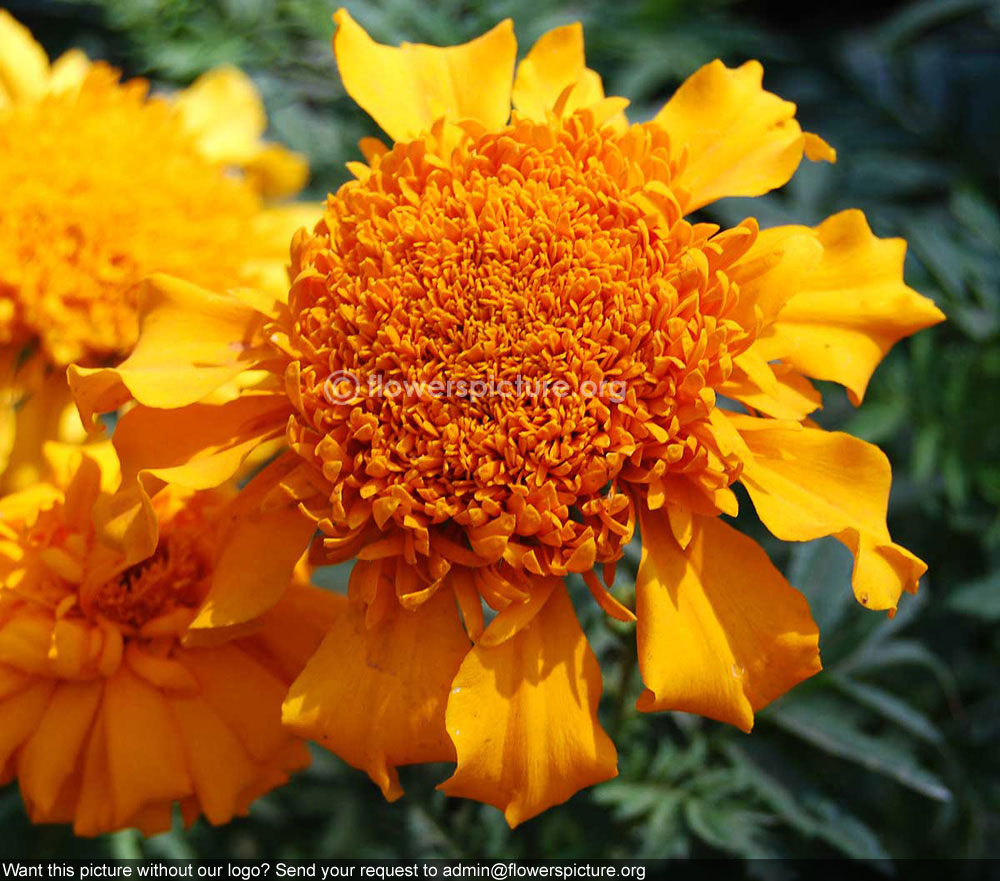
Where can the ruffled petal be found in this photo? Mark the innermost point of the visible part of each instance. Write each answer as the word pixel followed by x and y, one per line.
pixel 51 756
pixel 376 696
pixel 173 363
pixel 69 71
pixel 739 139
pixel 554 64
pixel 291 632
pixel 720 632
pixel 851 309
pixel 259 547
pixel 787 396
pixel 24 66
pixel 771 272
pixel 20 714
pixel 276 171
pixel 45 413
pixel 196 447
pixel 145 761
pixel 219 765
pixel 523 717
pixel 244 693
pixel 806 483
pixel 223 109
pixel 407 89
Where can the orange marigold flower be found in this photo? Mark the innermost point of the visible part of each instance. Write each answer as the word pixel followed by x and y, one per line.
pixel 504 347
pixel 112 708
pixel 102 185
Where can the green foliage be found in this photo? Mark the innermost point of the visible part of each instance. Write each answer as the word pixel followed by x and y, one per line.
pixel 890 750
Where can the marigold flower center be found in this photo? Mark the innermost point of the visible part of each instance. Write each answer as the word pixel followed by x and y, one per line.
pixel 501 340
pixel 174 577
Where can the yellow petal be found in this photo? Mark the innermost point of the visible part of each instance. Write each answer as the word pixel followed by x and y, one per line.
pixel 173 363
pixel 806 483
pixel 555 63
pixel 740 139
pixel 720 633
pixel 376 696
pixel 277 171
pixel 523 717
pixel 69 71
pixel 791 396
pixel 24 66
pixel 407 89
pixel 223 109
pixel 46 413
pixel 851 309
pixel 771 272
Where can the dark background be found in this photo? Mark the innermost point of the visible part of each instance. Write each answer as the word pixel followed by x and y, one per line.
pixel 891 751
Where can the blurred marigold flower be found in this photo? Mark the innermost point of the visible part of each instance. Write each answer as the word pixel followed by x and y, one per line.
pixel 102 185
pixel 112 706
pixel 547 244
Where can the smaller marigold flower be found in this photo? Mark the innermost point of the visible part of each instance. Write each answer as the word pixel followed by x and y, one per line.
pixel 104 184
pixel 520 235
pixel 112 707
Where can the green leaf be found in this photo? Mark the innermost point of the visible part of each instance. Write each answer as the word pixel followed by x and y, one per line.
pixel 820 720
pixel 890 707
pixel 979 598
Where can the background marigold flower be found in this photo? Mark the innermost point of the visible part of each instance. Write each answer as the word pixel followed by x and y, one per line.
pixel 111 709
pixel 104 184
pixel 551 244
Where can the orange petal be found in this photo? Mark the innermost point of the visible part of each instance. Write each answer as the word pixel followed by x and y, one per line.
pixel 257 553
pixel 720 633
pixel 806 483
pixel 145 761
pixel 851 309
pixel 244 693
pixel 196 447
pixel 740 140
pixel 376 696
pixel 51 756
pixel 20 714
pixel 511 620
pixel 523 717
pixel 292 631
pixel 220 767
pixel 407 89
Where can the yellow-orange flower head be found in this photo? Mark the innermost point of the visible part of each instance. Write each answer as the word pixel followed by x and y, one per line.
pixel 506 345
pixel 102 185
pixel 512 336
pixel 112 708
